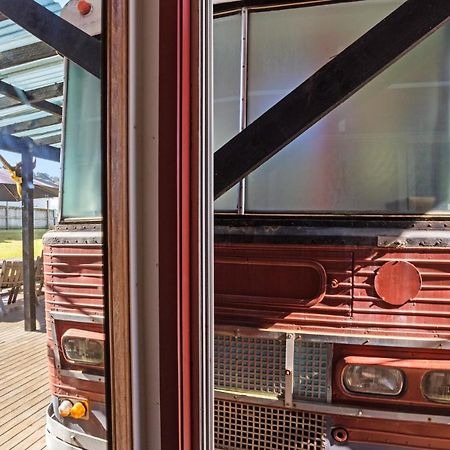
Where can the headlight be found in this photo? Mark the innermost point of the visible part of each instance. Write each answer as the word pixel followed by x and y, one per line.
pixel 436 386
pixel 83 347
pixel 373 380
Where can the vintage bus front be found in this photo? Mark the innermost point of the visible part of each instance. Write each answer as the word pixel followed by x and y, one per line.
pixel 332 259
pixel 73 264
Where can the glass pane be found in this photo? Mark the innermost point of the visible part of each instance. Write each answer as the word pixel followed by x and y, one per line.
pixel 383 150
pixel 81 187
pixel 227 63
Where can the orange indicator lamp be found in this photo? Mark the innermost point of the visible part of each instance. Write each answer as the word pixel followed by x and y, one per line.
pixel 78 410
pixel 84 7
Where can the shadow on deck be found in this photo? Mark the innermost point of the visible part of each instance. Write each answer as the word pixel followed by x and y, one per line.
pixel 24 387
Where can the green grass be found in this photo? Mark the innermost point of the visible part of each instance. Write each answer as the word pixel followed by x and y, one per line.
pixel 11 243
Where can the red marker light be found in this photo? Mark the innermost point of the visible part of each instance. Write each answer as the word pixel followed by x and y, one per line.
pixel 84 7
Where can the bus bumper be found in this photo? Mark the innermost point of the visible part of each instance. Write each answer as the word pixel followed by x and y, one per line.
pixel 359 446
pixel 61 437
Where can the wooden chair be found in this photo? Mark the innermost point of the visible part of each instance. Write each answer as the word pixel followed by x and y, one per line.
pixel 11 279
pixel 39 276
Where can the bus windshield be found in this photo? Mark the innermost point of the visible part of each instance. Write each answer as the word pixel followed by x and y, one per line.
pixel 81 183
pixel 385 150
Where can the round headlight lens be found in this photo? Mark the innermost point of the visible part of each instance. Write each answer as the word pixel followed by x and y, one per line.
pixel 436 386
pixel 373 380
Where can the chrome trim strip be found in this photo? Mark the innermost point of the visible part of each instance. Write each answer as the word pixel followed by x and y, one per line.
pixel 243 97
pixel 55 343
pixel 79 375
pixel 71 317
pixel 335 410
pixel 289 370
pixel 359 339
pixel 330 373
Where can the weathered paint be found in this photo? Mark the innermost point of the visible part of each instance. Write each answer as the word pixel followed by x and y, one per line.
pixel 350 304
pixel 73 277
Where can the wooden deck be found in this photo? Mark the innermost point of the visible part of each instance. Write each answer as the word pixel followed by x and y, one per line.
pixel 24 391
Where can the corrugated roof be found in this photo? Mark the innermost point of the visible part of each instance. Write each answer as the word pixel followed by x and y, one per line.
pixel 22 67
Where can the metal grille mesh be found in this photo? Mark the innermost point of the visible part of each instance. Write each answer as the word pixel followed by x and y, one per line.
pixel 255 364
pixel 310 370
pixel 244 426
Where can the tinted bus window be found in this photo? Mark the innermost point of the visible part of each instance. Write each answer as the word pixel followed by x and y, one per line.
pixel 227 67
pixel 81 184
pixel 384 150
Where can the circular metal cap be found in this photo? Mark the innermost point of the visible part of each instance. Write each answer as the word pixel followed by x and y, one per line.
pixel 396 282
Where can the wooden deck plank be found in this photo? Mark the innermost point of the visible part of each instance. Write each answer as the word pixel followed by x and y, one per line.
pixel 24 389
pixel 24 442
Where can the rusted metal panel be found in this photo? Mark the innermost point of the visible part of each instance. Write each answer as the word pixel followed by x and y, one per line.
pixel 413 363
pixel 417 306
pixel 427 313
pixel 73 279
pixel 388 432
pixel 275 311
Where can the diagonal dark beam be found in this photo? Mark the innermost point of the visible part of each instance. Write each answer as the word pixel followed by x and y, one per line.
pixel 34 95
pixel 33 124
pixel 65 38
pixel 25 54
pixel 18 144
pixel 21 96
pixel 326 89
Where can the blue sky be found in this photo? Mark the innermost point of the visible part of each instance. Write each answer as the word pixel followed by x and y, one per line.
pixel 42 165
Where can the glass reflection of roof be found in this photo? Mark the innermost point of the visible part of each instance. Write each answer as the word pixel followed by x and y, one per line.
pixel 33 75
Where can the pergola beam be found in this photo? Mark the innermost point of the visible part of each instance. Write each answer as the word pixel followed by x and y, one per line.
pixel 16 144
pixel 49 140
pixel 331 85
pixel 25 54
pixel 64 37
pixel 21 96
pixel 33 124
pixel 34 95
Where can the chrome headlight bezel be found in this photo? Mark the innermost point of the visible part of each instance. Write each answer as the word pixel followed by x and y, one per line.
pixel 85 340
pixel 397 376
pixel 430 397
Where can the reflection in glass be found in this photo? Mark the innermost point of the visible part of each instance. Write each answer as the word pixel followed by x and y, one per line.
pixel 383 150
pixel 82 146
pixel 227 65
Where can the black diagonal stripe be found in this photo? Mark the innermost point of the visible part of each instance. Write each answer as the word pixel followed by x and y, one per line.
pixel 64 37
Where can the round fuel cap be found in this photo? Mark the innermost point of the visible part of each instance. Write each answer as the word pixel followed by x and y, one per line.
pixel 396 282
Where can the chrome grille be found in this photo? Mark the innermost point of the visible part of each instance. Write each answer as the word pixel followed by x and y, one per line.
pixel 245 426
pixel 255 364
pixel 311 364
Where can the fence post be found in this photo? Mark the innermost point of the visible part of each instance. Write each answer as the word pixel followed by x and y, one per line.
pixel 6 216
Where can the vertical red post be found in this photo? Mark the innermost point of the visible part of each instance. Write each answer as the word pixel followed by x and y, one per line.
pixel 174 224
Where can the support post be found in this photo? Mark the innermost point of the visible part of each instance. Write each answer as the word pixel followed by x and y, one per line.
pixel 29 285
pixel 7 216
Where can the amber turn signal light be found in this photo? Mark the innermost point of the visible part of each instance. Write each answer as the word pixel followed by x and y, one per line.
pixel 73 409
pixel 78 410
